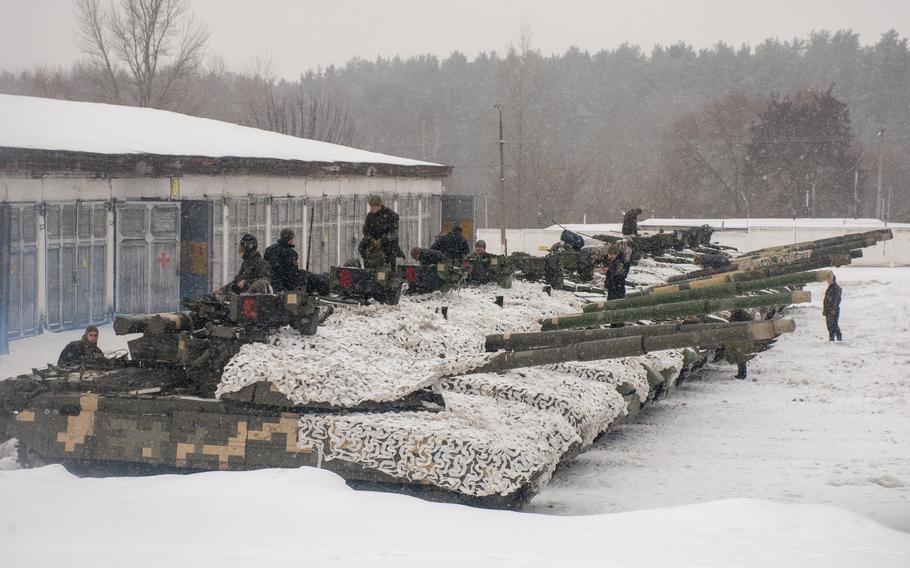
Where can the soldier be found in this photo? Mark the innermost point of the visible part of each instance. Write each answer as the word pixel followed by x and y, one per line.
pixel 737 353
pixel 616 270
pixel 452 244
pixel 831 308
pixel 428 257
pixel 379 247
pixel 282 259
pixel 480 271
pixel 82 350
pixel 630 222
pixel 253 275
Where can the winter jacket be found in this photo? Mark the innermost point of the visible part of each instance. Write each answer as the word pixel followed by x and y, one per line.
pixel 78 352
pixel 380 230
pixel 452 244
pixel 429 257
pixel 253 268
pixel 831 304
pixel 618 269
pixel 282 260
pixel 480 270
pixel 630 222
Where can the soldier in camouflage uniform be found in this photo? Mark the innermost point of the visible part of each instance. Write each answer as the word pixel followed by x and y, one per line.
pixel 253 276
pixel 379 246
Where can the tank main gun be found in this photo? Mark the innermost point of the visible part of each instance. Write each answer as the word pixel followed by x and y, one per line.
pixel 635 345
pixel 672 310
pixel 724 290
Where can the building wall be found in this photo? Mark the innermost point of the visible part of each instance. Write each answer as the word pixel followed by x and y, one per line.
pixel 90 243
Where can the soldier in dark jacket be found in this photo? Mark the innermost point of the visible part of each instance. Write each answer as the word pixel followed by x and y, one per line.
pixel 428 257
pixel 253 275
pixel 452 244
pixel 616 270
pixel 831 308
pixel 630 222
pixel 282 259
pixel 480 270
pixel 82 350
pixel 379 246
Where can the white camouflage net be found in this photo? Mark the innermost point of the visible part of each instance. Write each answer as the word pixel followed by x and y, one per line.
pixel 478 446
pixel 499 434
pixel 381 353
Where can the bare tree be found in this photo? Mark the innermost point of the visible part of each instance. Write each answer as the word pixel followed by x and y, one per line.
pixel 143 47
pixel 307 109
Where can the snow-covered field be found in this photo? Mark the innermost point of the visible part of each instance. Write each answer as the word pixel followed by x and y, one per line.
pixel 308 517
pixel 822 423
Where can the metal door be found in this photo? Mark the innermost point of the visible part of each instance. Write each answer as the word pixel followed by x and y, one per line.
pixel 76 256
pixel 23 263
pixel 147 257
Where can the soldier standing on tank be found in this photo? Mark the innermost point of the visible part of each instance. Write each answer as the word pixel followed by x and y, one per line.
pixel 630 221
pixel 379 246
pixel 253 276
pixel 282 259
pixel 452 244
pixel 82 350
pixel 831 308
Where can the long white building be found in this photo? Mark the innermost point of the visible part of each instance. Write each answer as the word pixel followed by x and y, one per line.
pixel 110 208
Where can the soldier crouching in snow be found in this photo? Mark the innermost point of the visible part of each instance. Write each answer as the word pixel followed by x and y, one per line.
pixel 253 276
pixel 82 350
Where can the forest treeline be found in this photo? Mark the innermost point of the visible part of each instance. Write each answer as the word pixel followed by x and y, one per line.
pixel 783 128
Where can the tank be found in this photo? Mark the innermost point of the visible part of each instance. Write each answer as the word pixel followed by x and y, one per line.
pixel 446 276
pixel 469 430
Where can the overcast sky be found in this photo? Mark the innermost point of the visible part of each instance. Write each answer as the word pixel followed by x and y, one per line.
pixel 301 34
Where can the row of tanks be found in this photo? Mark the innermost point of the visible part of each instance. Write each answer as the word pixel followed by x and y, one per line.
pixel 467 393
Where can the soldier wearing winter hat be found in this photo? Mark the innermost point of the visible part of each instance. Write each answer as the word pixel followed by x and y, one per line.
pixel 82 350
pixel 282 259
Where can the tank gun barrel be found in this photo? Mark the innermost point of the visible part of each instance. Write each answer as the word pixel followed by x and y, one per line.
pixel 635 345
pixel 672 310
pixel 727 289
pixel 153 324
pixel 562 337
pixel 869 238
pixel 685 282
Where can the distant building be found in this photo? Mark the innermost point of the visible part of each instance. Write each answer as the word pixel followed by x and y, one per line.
pixel 120 209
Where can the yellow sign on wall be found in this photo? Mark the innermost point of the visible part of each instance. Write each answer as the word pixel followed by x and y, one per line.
pixel 175 188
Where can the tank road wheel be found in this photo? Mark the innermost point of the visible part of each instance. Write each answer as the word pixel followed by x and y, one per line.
pixel 28 458
pixel 307 325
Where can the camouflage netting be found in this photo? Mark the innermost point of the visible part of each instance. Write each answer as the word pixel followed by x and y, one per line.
pixel 499 433
pixel 479 446
pixel 381 353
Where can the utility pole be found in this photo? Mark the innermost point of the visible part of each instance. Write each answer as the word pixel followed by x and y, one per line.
pixel 856 192
pixel 881 167
pixel 502 184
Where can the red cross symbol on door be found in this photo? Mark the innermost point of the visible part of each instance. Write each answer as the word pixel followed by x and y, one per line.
pixel 163 260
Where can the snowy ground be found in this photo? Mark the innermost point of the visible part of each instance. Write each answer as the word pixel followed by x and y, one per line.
pixel 308 517
pixel 822 423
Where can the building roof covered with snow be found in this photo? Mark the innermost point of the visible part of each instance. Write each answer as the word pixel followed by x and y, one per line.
pixel 48 135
